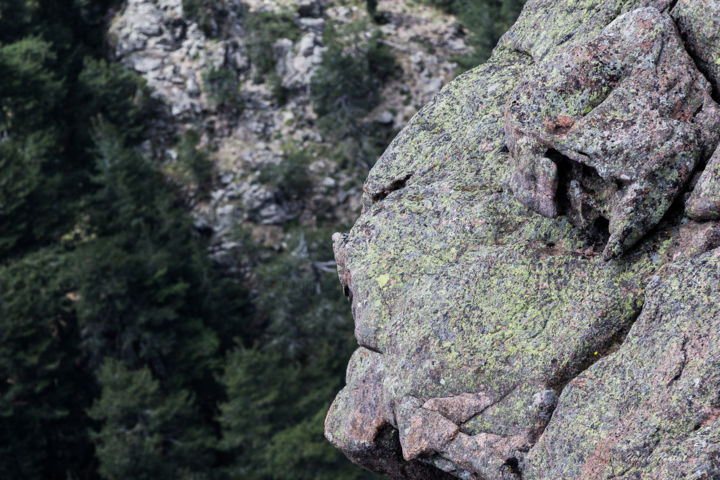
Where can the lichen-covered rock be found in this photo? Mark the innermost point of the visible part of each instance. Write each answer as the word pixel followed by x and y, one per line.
pixel 699 24
pixel 474 313
pixel 704 203
pixel 650 410
pixel 611 128
pixel 356 423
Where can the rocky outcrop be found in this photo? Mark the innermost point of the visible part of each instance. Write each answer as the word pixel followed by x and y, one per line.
pixel 700 26
pixel 157 40
pixel 626 115
pixel 650 410
pixel 704 203
pixel 175 52
pixel 496 342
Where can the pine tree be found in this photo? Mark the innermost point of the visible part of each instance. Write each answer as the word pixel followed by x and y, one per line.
pixel 279 390
pixel 97 258
pixel 28 96
pixel 153 312
pixel 44 383
pixel 147 433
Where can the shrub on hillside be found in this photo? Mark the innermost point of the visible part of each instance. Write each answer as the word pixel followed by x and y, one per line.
pixel 485 21
pixel 222 88
pixel 290 177
pixel 210 15
pixel 263 30
pixel 346 87
pixel 195 161
pixel 353 69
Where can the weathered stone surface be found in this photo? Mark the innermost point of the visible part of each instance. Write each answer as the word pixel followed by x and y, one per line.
pixel 696 238
pixel 611 128
pixel 359 423
pixel 422 431
pixel 704 203
pixel 651 409
pixel 699 23
pixel 545 26
pixel 484 319
pixel 356 431
pixel 459 408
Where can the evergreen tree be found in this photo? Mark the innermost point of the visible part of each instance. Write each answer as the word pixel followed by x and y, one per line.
pixel 147 433
pixel 97 258
pixel 280 389
pixel 345 88
pixel 272 424
pixel 150 306
pixel 44 383
pixel 139 303
pixel 195 163
pixel 29 185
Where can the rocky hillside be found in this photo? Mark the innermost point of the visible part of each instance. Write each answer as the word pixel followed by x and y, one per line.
pixel 239 75
pixel 535 276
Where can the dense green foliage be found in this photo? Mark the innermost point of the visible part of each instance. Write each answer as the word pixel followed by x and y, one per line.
pixel 305 353
pixel 208 14
pixel 147 433
pixel 223 88
pixel 264 28
pixel 201 11
pixel 346 87
pixel 350 75
pixel 46 386
pixel 125 353
pixel 290 177
pixel 194 163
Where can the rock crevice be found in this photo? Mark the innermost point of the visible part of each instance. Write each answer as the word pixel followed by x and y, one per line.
pixel 631 115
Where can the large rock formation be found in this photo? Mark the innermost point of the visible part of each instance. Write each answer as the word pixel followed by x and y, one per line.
pixel 496 342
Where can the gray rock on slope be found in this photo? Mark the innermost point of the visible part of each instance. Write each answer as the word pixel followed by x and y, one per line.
pixel 700 26
pixel 496 342
pixel 172 52
pixel 247 128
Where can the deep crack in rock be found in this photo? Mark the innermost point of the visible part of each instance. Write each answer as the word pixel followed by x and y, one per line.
pixel 699 25
pixel 394 186
pixel 623 105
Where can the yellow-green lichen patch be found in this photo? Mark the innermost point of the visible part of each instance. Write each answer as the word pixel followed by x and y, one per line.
pixel 650 405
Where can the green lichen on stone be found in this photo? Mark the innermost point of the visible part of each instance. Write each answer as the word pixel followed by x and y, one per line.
pixel 699 22
pixel 647 409
pixel 704 203
pixel 458 288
